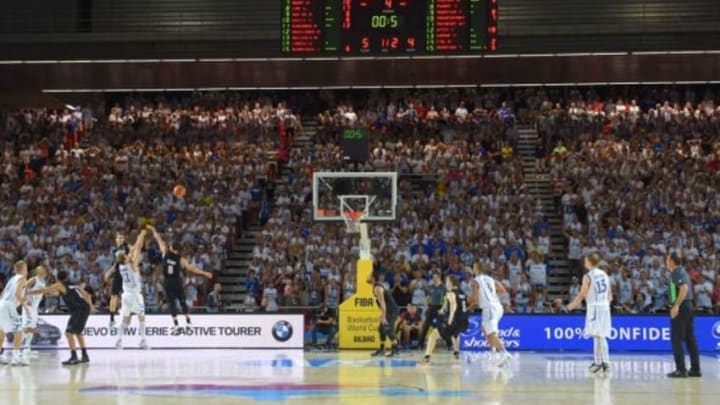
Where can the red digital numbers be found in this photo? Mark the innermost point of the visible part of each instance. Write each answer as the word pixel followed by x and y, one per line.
pixel 390 43
pixel 492 29
pixel 388 3
pixel 347 14
pixel 365 43
pixel 411 42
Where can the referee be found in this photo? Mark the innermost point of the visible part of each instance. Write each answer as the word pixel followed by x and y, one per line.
pixel 681 323
pixel 433 304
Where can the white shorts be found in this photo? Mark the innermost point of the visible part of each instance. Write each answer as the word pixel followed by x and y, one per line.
pixel 597 321
pixel 10 321
pixel 132 303
pixel 491 319
pixel 29 318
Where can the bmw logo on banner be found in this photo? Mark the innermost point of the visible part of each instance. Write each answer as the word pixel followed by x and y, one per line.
pixel 282 331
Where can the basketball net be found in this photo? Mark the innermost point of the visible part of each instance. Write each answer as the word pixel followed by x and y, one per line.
pixel 352 220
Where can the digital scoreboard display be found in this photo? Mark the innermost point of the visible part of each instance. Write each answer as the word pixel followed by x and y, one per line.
pixel 389 27
pixel 355 144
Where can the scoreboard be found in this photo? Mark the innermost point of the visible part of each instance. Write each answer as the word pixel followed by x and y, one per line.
pixel 388 27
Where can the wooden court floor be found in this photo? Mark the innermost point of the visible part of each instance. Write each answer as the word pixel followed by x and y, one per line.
pixel 172 377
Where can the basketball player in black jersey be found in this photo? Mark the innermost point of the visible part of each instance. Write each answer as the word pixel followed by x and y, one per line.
pixel 112 275
pixel 453 322
pixel 173 265
pixel 79 302
pixel 388 316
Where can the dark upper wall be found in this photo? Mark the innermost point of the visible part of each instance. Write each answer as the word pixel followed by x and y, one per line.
pixel 346 73
pixel 40 29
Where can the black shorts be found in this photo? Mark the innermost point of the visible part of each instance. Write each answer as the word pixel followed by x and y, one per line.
pixel 453 330
pixel 116 287
pixel 77 322
pixel 174 290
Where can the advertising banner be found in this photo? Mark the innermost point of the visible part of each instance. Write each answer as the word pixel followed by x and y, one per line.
pixel 278 331
pixel 566 332
pixel 359 316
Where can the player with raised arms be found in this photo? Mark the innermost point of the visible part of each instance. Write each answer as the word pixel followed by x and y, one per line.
pixel 12 300
pixel 132 297
pixel 30 315
pixel 485 295
pixel 453 322
pixel 173 265
pixel 597 293
pixel 112 275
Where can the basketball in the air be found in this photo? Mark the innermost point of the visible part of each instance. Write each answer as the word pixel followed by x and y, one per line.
pixel 179 191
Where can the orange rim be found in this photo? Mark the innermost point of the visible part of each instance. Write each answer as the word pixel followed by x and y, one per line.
pixel 353 215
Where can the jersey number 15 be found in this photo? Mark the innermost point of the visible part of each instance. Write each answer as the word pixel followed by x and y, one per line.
pixel 600 286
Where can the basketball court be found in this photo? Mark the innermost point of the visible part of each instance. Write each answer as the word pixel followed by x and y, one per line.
pixel 162 377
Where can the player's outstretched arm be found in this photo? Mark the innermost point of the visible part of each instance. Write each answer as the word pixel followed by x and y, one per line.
pixel 54 289
pixel 194 270
pixel 161 243
pixel 135 251
pixel 108 273
pixel 581 295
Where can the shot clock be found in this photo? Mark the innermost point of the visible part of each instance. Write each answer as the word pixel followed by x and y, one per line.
pixel 389 27
pixel 355 144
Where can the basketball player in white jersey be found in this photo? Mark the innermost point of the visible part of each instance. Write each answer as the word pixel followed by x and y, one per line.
pixel 486 294
pixel 11 301
pixel 30 315
pixel 132 301
pixel 597 294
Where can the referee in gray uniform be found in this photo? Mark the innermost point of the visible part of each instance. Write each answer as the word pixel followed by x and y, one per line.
pixel 681 324
pixel 434 303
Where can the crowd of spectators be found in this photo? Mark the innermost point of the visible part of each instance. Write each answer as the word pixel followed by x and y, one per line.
pixel 63 202
pixel 467 114
pixel 473 206
pixel 652 188
pixel 72 177
pixel 207 116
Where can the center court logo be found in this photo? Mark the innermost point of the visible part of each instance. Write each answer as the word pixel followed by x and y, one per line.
pixel 282 331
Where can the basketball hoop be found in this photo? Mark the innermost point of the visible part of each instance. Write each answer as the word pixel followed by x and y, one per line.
pixel 352 220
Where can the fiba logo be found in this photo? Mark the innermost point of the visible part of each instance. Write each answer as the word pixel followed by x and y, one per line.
pixel 282 331
pixel 716 330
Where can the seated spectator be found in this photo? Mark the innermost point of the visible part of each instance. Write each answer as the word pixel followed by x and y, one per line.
pixel 215 301
pixel 325 323
pixel 410 324
pixel 522 291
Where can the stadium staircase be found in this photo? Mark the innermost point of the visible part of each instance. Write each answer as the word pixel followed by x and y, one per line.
pixel 239 258
pixel 540 187
pixel 236 267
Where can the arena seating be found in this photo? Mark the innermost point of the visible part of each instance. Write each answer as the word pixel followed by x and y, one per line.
pixel 72 178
